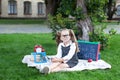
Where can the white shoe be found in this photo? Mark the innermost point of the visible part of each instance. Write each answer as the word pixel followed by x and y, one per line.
pixel 45 70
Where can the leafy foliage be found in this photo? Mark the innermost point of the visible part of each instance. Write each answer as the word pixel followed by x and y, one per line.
pixel 95 9
pixel 67 7
pixel 79 14
pixel 99 35
pixel 59 22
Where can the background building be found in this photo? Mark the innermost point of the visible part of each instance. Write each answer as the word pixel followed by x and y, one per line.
pixel 22 9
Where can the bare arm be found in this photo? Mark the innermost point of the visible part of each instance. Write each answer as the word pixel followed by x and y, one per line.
pixel 57 59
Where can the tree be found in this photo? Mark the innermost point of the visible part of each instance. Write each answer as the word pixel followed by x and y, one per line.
pixel 111 8
pixel 84 24
pixel 81 14
pixel 96 10
pixel 51 6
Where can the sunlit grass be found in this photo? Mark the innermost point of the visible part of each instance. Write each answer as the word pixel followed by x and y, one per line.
pixel 13 47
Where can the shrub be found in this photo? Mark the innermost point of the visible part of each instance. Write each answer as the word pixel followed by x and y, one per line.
pixel 100 36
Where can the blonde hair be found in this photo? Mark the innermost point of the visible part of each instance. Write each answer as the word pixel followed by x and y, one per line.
pixel 71 34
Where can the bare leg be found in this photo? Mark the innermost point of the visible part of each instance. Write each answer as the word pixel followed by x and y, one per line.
pixel 54 65
pixel 59 67
pixel 47 69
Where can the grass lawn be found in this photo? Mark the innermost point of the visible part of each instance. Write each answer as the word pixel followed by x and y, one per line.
pixel 22 21
pixel 13 47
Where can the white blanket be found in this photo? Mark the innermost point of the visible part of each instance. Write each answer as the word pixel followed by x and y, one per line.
pixel 82 65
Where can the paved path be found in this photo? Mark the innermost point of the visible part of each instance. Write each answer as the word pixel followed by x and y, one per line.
pixel 24 28
pixel 115 27
pixel 37 28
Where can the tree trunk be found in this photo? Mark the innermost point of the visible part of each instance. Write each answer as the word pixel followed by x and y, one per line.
pixel 86 24
pixel 51 6
pixel 111 9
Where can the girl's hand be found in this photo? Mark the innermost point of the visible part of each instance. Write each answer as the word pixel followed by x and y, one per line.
pixel 57 60
pixel 53 59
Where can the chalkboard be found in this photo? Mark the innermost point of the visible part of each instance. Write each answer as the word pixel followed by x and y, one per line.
pixel 89 50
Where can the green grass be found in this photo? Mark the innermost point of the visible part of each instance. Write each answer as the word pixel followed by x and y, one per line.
pixel 13 47
pixel 108 23
pixel 22 21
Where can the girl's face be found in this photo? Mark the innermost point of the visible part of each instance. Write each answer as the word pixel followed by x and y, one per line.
pixel 65 36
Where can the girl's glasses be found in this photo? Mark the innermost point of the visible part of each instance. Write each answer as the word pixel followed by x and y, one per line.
pixel 66 35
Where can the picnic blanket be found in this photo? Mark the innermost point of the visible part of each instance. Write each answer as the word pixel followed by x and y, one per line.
pixel 82 65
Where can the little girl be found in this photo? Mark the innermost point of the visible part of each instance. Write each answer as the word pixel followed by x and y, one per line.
pixel 66 56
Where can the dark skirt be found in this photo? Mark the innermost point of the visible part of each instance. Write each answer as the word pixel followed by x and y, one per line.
pixel 71 64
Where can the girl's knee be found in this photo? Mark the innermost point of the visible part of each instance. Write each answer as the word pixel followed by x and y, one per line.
pixel 63 66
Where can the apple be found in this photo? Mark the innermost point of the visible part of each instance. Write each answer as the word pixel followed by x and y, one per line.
pixel 89 60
